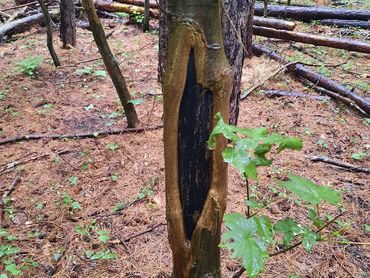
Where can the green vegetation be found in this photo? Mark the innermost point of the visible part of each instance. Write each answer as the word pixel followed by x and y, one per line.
pixel 29 65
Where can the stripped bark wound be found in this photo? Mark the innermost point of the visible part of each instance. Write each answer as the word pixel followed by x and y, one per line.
pixel 194 156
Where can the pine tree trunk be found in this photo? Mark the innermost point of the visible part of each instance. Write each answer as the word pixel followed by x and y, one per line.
pixel 238 11
pixel 196 85
pixel 68 23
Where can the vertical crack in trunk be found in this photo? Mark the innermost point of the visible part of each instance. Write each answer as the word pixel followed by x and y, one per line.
pixel 194 163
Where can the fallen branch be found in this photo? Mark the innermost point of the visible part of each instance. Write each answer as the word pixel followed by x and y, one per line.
pixel 340 164
pixel 274 23
pixel 19 6
pixel 118 7
pixel 312 13
pixel 346 23
pixel 10 166
pixel 153 4
pixel 350 45
pixel 20 25
pixel 316 78
pixel 76 135
pixel 280 93
pixel 6 195
pixel 142 233
pixel 253 88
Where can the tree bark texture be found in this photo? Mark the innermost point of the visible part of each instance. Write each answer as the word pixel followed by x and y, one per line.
pixel 316 79
pixel 346 23
pixel 49 33
pixel 235 36
pixel 111 63
pixel 146 15
pixel 197 84
pixel 68 23
pixel 350 45
pixel 312 13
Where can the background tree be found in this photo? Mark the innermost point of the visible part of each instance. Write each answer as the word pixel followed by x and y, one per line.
pixel 68 23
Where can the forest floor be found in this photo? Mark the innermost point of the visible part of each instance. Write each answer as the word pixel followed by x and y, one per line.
pixel 72 194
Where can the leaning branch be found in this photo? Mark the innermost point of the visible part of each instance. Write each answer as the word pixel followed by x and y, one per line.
pixel 33 137
pixel 340 164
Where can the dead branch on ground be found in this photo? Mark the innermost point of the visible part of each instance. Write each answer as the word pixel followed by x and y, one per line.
pixel 340 164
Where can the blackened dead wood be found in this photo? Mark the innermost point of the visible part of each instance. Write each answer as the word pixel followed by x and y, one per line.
pixel 350 45
pixel 49 33
pixel 20 25
pixel 279 93
pixel 274 23
pixel 346 23
pixel 313 13
pixel 32 137
pixel 340 164
pixel 316 78
pixel 194 156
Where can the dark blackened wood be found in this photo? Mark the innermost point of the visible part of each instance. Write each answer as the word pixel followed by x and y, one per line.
pixel 346 23
pixel 163 39
pixel 350 45
pixel 146 15
pixel 68 23
pixel 312 13
pixel 194 156
pixel 316 78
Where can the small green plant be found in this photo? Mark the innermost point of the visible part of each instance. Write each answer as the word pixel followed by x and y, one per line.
pixel 46 108
pixel 253 238
pixel 91 71
pixel 29 65
pixel 3 95
pixel 73 180
pixel 67 201
pixel 137 17
pixel 112 146
pixel 360 155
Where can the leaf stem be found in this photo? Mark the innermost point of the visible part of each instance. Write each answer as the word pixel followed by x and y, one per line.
pixel 248 196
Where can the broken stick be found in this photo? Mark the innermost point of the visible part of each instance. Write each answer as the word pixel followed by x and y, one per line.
pixel 340 164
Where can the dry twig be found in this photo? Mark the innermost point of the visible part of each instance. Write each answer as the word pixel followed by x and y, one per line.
pixel 340 164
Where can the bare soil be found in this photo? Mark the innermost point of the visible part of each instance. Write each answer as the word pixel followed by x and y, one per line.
pixel 100 173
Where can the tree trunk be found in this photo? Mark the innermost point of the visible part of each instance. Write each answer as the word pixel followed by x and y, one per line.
pixel 197 84
pixel 350 45
pixel 146 16
pixel 235 36
pixel 68 23
pixel 49 33
pixel 312 13
pixel 111 63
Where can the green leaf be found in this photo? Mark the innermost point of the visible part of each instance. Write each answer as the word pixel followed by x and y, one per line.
pixel 310 192
pixel 76 205
pixel 84 70
pixel 359 156
pixel 89 253
pixel 73 180
pixel 103 236
pixel 254 204
pixel 309 239
pixel 246 238
pixel 249 146
pixel 114 177
pixel 293 276
pixel 57 256
pixel 100 73
pixel 6 250
pixel 118 207
pixel 289 228
pixel 367 228
pixel 112 146
pixel 317 222
pixel 79 229
pixel 3 275
pixel 101 255
pixel 12 269
pixel 136 101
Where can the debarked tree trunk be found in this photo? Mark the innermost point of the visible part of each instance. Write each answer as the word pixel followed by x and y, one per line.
pixel 197 84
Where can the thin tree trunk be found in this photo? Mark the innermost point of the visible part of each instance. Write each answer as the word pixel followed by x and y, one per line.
pixel 350 45
pixel 49 33
pixel 146 15
pixel 68 23
pixel 111 64
pixel 163 39
pixel 197 84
